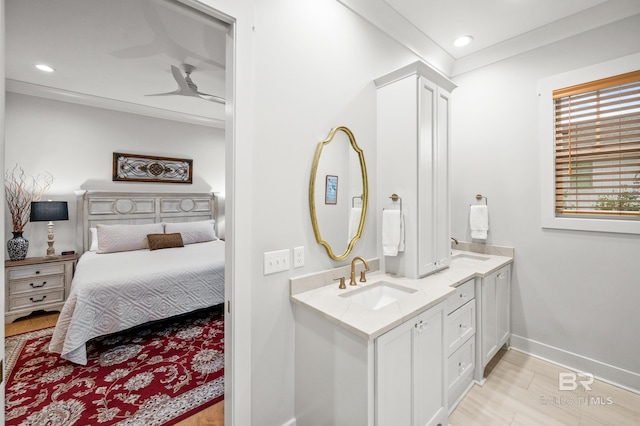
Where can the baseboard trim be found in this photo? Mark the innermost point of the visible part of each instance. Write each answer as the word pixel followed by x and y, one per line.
pixel 611 374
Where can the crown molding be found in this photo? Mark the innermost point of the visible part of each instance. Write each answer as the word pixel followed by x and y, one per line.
pixel 47 92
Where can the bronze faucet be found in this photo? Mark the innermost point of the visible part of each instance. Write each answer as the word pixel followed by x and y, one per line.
pixel 363 278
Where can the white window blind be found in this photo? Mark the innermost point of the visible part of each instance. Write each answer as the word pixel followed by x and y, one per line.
pixel 597 148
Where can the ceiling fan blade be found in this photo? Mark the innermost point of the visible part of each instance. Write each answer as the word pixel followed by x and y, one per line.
pixel 186 87
pixel 175 92
pixel 212 98
pixel 183 87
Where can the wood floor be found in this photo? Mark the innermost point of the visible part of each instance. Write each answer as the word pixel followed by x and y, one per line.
pixel 520 390
pixel 212 416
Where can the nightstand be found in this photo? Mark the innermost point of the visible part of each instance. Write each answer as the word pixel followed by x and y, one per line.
pixel 37 283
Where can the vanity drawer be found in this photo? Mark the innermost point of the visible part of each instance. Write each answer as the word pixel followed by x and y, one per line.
pixel 464 293
pixel 36 271
pixel 460 326
pixel 45 282
pixel 34 300
pixel 460 367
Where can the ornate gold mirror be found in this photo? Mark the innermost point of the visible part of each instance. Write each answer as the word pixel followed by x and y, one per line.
pixel 338 193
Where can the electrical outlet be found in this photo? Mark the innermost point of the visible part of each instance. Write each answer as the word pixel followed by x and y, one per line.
pixel 298 257
pixel 276 261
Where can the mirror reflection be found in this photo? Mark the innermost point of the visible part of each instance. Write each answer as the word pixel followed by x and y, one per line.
pixel 338 193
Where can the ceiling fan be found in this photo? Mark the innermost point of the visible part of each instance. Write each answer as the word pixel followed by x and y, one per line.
pixel 186 86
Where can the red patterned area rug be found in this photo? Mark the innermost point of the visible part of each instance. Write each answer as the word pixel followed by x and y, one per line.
pixel 153 375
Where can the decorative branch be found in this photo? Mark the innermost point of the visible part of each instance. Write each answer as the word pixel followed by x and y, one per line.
pixel 20 190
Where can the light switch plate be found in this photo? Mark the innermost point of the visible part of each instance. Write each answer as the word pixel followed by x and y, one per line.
pixel 277 261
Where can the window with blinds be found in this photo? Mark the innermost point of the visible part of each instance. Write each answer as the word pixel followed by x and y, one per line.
pixel 597 148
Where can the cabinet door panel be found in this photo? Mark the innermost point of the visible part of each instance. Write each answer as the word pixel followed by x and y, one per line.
pixel 503 302
pixel 442 199
pixel 427 179
pixel 429 368
pixel 394 376
pixel 489 318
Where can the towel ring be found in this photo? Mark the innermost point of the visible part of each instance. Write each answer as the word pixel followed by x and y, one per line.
pixel 479 197
pixel 395 198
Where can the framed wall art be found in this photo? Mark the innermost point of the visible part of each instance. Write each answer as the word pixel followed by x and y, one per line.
pixel 148 168
pixel 331 191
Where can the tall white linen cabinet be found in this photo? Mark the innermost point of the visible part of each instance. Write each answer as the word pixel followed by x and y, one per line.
pixel 413 128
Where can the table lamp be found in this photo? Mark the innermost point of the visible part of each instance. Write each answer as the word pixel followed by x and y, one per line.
pixel 49 211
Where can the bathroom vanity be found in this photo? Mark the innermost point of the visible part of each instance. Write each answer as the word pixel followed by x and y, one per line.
pixel 396 350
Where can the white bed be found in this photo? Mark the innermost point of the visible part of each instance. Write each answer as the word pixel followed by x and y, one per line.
pixel 111 292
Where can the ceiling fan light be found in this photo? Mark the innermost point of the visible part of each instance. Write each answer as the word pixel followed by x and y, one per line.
pixel 462 41
pixel 45 68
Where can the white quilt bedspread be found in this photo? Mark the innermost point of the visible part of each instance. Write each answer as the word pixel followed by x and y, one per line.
pixel 116 291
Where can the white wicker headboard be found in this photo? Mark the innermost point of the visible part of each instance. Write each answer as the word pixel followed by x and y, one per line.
pixel 115 207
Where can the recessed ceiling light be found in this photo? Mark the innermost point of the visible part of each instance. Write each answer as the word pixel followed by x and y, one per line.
pixel 463 40
pixel 45 68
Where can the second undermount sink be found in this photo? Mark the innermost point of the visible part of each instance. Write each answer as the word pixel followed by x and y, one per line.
pixel 378 295
pixel 469 258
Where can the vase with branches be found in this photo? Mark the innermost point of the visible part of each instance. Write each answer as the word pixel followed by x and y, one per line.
pixel 20 190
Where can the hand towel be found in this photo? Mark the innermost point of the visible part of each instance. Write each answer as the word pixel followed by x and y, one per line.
pixel 479 221
pixel 354 222
pixel 392 232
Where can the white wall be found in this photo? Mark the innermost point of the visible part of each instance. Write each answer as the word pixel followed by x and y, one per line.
pixel 75 143
pixel 574 291
pixel 315 64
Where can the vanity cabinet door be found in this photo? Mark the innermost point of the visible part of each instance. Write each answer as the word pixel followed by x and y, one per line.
pixel 496 312
pixel 394 376
pixel 503 302
pixel 429 369
pixel 434 249
pixel 410 372
pixel 489 318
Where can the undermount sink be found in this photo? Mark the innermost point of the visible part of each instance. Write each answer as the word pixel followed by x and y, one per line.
pixel 469 258
pixel 378 295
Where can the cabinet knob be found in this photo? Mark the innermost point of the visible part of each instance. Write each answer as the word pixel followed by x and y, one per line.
pixel 421 326
pixel 463 295
pixel 37 272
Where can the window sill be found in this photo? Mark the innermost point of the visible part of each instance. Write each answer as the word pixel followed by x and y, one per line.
pixel 618 226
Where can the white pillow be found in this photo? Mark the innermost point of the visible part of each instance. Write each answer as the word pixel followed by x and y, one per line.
pixel 114 238
pixel 193 232
pixel 93 239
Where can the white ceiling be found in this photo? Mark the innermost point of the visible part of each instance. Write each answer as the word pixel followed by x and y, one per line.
pixel 114 52
pixel 489 21
pixel 500 28
pixel 118 50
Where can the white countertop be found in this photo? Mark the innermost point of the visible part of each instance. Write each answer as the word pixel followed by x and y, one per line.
pixel 430 290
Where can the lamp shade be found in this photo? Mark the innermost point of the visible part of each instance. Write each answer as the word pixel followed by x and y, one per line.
pixel 49 211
